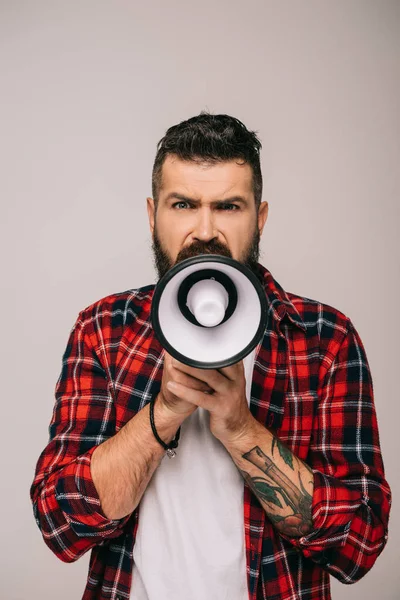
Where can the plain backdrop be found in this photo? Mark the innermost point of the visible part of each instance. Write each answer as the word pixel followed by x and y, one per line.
pixel 87 90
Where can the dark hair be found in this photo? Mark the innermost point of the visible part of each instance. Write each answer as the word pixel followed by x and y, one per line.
pixel 210 138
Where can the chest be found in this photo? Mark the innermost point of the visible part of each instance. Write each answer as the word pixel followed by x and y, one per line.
pixel 282 391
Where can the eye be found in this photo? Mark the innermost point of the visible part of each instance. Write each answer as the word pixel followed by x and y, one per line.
pixel 228 204
pixel 180 202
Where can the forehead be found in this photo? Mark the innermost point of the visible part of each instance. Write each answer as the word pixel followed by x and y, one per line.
pixel 216 178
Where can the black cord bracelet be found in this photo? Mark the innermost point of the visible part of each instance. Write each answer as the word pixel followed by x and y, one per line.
pixel 168 447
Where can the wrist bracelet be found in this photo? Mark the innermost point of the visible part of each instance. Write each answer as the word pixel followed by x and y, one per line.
pixel 168 447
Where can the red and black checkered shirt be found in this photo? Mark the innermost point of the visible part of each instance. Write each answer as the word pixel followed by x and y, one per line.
pixel 311 386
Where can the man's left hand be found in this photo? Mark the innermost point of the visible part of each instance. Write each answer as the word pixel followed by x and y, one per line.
pixel 227 404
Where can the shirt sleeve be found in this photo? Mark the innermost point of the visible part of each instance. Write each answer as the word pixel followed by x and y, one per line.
pixel 65 501
pixel 352 499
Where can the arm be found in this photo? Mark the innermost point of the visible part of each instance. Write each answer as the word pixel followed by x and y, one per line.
pixel 72 514
pixel 351 499
pixel 120 482
pixel 281 481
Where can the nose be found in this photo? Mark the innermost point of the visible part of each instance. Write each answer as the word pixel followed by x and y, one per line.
pixel 205 228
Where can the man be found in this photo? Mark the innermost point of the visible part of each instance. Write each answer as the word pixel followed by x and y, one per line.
pixel 278 478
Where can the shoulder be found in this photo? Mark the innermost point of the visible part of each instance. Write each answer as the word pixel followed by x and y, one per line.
pixel 323 320
pixel 330 333
pixel 119 308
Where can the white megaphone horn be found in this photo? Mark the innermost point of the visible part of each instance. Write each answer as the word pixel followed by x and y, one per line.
pixel 209 311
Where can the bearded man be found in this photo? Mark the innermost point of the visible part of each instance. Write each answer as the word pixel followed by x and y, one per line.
pixel 277 480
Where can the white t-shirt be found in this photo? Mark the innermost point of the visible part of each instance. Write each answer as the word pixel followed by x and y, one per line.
pixel 190 541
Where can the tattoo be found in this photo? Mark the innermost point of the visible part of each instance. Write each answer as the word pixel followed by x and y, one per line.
pixel 283 451
pixel 288 506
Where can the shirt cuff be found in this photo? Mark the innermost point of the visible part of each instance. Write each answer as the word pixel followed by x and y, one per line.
pixel 333 507
pixel 78 499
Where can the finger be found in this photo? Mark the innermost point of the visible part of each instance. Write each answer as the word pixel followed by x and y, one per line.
pixel 233 371
pixel 212 377
pixel 189 395
pixel 230 373
pixel 189 381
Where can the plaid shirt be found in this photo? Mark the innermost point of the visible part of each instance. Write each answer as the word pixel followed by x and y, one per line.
pixel 311 386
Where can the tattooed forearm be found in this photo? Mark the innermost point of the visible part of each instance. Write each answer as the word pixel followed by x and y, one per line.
pixel 282 482
pixel 285 499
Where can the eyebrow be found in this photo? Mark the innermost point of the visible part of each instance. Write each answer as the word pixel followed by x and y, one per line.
pixel 181 197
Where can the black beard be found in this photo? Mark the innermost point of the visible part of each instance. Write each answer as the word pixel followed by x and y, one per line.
pixel 163 263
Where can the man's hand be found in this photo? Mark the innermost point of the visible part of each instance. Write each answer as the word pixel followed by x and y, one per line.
pixel 167 397
pixel 222 392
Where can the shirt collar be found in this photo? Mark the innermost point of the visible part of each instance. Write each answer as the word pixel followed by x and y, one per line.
pixel 280 304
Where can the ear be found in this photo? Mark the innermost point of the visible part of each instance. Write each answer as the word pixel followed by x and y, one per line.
pixel 151 213
pixel 262 216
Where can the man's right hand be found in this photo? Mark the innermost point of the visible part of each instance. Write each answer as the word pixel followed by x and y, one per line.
pixel 168 399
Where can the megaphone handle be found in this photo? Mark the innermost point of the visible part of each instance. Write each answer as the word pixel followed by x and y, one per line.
pixel 167 447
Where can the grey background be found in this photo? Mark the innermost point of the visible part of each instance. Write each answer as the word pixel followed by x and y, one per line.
pixel 87 90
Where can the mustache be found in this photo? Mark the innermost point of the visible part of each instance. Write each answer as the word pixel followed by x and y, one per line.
pixel 200 247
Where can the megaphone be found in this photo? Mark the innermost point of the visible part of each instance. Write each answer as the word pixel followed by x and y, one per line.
pixel 209 311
